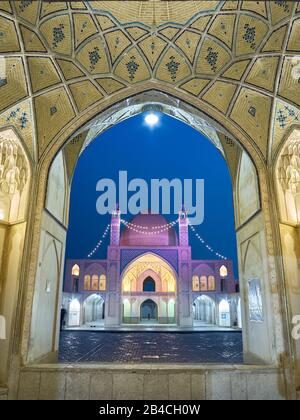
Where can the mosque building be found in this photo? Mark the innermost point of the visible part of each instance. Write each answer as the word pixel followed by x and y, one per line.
pixel 149 277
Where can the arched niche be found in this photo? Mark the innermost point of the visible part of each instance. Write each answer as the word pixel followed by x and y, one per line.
pixel 14 178
pixel 288 179
pixel 287 188
pixel 247 190
pixel 57 189
pixel 15 187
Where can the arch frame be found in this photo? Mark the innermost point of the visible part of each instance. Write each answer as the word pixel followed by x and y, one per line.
pixel 61 138
pixel 289 359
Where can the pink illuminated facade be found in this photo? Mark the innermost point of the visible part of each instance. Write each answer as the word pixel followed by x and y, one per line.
pixel 150 278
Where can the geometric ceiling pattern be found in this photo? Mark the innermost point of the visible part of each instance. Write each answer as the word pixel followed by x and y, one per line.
pixel 57 59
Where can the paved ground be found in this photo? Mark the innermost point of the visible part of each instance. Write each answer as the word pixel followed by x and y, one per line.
pixel 151 347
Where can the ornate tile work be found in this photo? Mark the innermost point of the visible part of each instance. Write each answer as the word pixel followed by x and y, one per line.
pixel 69 69
pixel 169 32
pixel 285 116
pixel 24 4
pixel 132 67
pixel 195 86
pixel 212 58
pixel 172 67
pixel 283 4
pixel 263 73
pixel 84 27
pixel 249 35
pixel 220 95
pixel 153 47
pixel 94 57
pixel 9 41
pixel 58 34
pixel 116 42
pixel 18 116
pixel 53 110
pixel 289 87
pixel 49 7
pixel 57 31
pixel 160 45
pixel 236 70
pixel 223 28
pixel 15 87
pixel 275 40
pixel 136 32
pixel 85 94
pixel 110 85
pixel 259 7
pixel 254 123
pixel 280 9
pixel 42 73
pixel 3 81
pixel 294 38
pixel 188 43
pixel 32 42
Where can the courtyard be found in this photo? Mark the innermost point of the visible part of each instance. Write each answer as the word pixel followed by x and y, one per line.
pixel 151 347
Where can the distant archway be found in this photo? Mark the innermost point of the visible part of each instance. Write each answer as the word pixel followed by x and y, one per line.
pixel 74 313
pixel 204 310
pixel 149 285
pixel 93 309
pixel 149 311
pixel 224 314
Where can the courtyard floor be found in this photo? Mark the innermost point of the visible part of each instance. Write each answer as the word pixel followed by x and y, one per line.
pixel 151 347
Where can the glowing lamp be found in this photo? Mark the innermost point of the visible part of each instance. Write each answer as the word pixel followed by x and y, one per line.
pixel 151 119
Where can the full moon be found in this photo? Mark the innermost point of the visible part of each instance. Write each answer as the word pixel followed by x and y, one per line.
pixel 151 119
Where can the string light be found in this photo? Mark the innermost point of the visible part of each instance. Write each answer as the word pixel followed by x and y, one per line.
pixel 145 230
pixel 207 246
pixel 154 230
pixel 99 243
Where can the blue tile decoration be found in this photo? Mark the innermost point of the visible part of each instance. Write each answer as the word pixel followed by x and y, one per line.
pixel 212 58
pixel 172 67
pixel 24 4
pixel 252 111
pixel 3 81
pixel 132 67
pixel 128 255
pixel 17 115
pixel 53 110
pixel 284 114
pixel 283 4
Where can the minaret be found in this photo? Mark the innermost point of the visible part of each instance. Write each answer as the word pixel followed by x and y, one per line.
pixel 115 228
pixel 183 228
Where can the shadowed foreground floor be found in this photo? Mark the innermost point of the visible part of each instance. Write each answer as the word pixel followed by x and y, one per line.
pixel 151 347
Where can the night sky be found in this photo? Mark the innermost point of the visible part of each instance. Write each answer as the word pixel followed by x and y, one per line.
pixel 170 150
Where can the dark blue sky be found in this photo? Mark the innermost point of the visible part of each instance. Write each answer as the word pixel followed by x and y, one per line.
pixel 170 150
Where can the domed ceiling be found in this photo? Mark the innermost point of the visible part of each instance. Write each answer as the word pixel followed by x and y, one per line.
pixel 59 59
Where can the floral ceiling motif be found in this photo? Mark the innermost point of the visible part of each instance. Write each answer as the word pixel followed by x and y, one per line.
pixel 236 56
